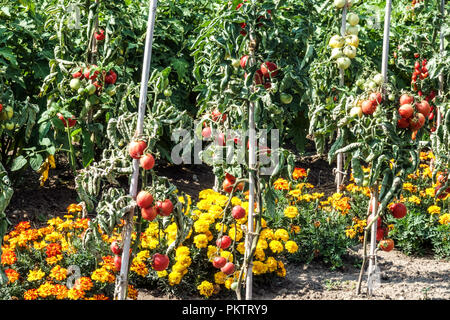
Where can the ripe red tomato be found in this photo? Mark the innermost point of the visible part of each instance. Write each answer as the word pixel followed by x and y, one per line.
pixel 386 245
pixel 269 69
pixel 406 111
pixel 238 212
pixel 416 122
pixel 259 77
pixel 398 210
pixel 228 268
pixel 115 248
pixel 87 73
pixel 216 115
pixel 111 77
pixel 147 161
pixel 223 242
pixel 136 148
pixel 227 185
pixel 403 123
pixel 423 107
pixel 219 262
pixel 144 199
pixel 117 263
pixel 244 60
pixel 100 35
pixel 78 74
pixel 368 107
pixel 160 262
pixel 1 107
pixel 206 132
pixel 406 99
pixel 376 97
pixel 381 233
pixel 417 65
pixel 165 207
pixel 149 213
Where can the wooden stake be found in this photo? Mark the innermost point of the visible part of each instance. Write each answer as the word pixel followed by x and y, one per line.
pixel 122 285
pixel 441 75
pixel 340 156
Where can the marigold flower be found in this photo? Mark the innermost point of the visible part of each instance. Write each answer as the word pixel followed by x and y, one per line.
pixel 8 257
pixel 45 290
pixel 206 288
pixel 299 173
pixel 75 294
pixel 434 209
pixel 259 268
pixel 271 264
pixel 291 212
pixel 132 292
pixel 201 240
pixel 281 184
pixel 30 294
pixel 12 275
pixel 35 275
pixel 291 246
pixel 220 277
pixel 444 219
pixel 276 246
pixel 235 234
pixel 58 273
pixel 174 278
pixel 282 234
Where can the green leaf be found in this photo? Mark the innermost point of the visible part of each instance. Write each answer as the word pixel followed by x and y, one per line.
pixel 18 163
pixel 36 161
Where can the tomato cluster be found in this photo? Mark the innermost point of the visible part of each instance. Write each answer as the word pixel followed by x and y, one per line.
pixel 6 114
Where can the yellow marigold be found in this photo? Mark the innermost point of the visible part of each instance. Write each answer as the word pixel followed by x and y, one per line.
pixel 350 233
pixel 276 246
pixel 219 226
pixel 30 294
pixel 161 274
pixel 215 211
pixel 235 234
pixel 83 284
pixel 409 187
pixel 45 290
pixel 206 193
pixel 282 234
pixel 201 240
pixel 260 254
pixel 259 268
pixel 267 233
pixel 229 282
pixel 139 268
pixel 291 212
pixel 102 275
pixel 444 219
pixel 281 184
pixel 212 250
pixel 430 192
pixel 60 291
pixel 206 288
pixel 132 293
pixel 201 226
pixel 220 277
pixel 74 208
pixel 295 193
pixel 54 260
pixel 281 271
pixel 204 205
pixel 184 261
pixel 262 244
pixel 241 247
pixel 58 273
pixel 271 264
pixel 227 255
pixel 35 275
pixel 235 201
pixel 178 267
pixel 75 294
pixel 414 199
pixel 291 246
pixel 434 209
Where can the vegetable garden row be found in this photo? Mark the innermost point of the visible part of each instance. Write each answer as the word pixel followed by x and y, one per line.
pixel 117 88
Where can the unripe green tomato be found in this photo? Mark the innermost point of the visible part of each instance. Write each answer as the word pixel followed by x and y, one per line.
pixel 111 90
pixel 9 126
pixel 354 30
pixel 336 53
pixel 343 63
pixel 391 97
pixel 360 83
pixel 286 98
pixel 339 3
pixel 356 112
pixel 81 91
pixel 91 89
pixel 168 92
pixel 371 85
pixel 378 79
pixel 88 104
pixel 336 41
pixel 9 113
pixel 234 286
pixel 365 182
pixel 353 19
pixel 350 52
pixel 75 84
